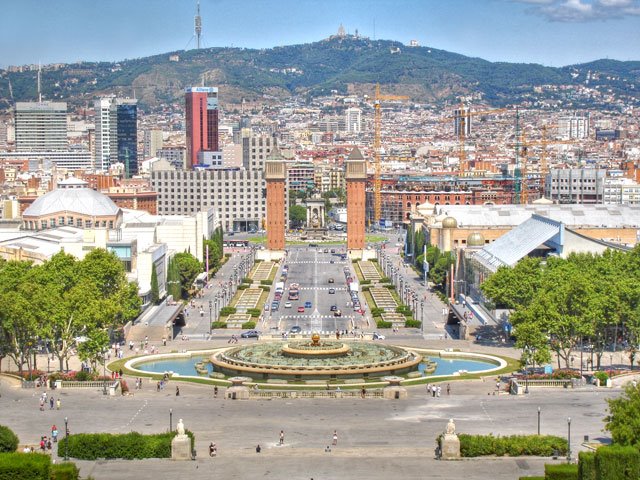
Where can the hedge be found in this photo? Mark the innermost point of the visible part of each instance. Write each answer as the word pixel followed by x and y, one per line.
pixel 254 312
pixel 561 471
pixel 383 324
pixel 247 280
pixel 385 280
pixel 219 325
pixel 8 440
pixel 134 445
pixel 617 463
pixel 249 325
pixel 64 471
pixel 513 446
pixel 25 466
pixel 377 311
pixel 403 309
pixel 602 376
pixel 266 282
pixel 412 323
pixel 243 286
pixel 587 466
pixel 226 311
pixel 365 282
pixel 265 288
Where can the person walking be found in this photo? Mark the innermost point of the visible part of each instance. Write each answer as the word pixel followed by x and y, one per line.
pixel 54 433
pixel 51 403
pixel 215 391
pixel 58 404
pixel 335 438
pixel 281 437
pixel 213 450
pixel 177 391
pixel 448 389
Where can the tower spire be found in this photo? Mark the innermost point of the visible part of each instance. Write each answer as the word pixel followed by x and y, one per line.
pixel 198 25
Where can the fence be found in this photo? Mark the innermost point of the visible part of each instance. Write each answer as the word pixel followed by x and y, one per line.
pixel 372 393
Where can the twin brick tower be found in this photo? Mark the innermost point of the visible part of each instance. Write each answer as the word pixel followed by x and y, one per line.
pixel 355 176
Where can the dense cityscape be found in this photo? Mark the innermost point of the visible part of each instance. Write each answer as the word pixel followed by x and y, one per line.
pixel 429 256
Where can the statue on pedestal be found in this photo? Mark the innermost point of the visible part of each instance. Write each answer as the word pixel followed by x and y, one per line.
pixel 451 427
pixel 180 428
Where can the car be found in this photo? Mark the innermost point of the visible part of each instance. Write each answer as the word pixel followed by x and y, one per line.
pixel 266 307
pixel 295 329
pixel 326 250
pixel 332 291
pixel 307 304
pixel 231 233
pixel 250 334
pixel 334 308
pixel 361 311
pixel 331 261
pixel 333 250
pixel 331 280
pixel 287 305
pixel 377 336
pixel 275 306
pixel 337 313
pixel 300 309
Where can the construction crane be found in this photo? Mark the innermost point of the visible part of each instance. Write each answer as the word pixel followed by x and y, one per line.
pixel 462 118
pixel 522 148
pixel 377 181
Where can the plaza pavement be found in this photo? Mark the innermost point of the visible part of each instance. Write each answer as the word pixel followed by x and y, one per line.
pixel 378 439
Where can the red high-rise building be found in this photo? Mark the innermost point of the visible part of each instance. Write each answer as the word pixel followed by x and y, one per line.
pixel 201 125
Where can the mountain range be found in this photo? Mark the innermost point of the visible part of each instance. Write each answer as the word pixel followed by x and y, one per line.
pixel 342 64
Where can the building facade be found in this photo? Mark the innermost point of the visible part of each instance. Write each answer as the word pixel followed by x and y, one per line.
pixel 201 117
pixel 575 185
pixel 41 126
pixel 116 135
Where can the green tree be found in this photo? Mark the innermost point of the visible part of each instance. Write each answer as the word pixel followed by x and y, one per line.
pixel 188 268
pixel 94 348
pixel 623 420
pixel 155 289
pixel 173 280
pixel 297 215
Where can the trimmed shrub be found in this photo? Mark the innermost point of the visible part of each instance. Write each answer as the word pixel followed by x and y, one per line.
pixel 602 376
pixel 365 288
pixel 587 466
pixel 365 282
pixel 390 287
pixel 374 260
pixel 412 323
pixel 226 311
pixel 243 286
pixel 91 446
pixel 25 466
pixel 266 282
pixel 385 280
pixel 247 280
pixel 227 255
pixel 383 324
pixel 64 471
pixel 617 463
pixel 561 471
pixel 377 311
pixel 266 288
pixel 513 446
pixel 249 325
pixel 8 440
pixel 403 309
pixel 254 312
pixel 219 325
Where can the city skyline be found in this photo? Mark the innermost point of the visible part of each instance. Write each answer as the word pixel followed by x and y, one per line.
pixel 550 32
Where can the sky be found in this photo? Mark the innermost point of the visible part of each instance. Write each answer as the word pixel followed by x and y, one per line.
pixel 549 32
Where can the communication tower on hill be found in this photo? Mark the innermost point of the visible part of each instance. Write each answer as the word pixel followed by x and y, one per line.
pixel 197 21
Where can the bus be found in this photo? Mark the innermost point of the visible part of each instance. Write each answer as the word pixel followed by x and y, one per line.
pixel 294 291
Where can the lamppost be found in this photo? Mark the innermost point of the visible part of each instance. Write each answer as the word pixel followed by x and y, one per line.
pixel 422 316
pixel 171 419
pixel 66 439
pixel 210 320
pixel 538 420
pixel 569 439
pixel 526 371
pixel 104 372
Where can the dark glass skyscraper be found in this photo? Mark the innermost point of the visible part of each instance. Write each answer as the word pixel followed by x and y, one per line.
pixel 127 134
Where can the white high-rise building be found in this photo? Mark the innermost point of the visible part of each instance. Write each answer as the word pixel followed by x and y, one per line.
pixel 106 138
pixel 353 120
pixel 41 126
pixel 576 126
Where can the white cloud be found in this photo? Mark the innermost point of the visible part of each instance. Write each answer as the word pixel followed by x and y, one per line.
pixel 583 10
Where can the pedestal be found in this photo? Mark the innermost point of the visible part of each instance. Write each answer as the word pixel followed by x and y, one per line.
pixel 450 447
pixel 181 448
pixel 394 393
pixel 237 393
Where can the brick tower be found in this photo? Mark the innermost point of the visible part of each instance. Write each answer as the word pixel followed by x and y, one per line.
pixel 275 174
pixel 356 178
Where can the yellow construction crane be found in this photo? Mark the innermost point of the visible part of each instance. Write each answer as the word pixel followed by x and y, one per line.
pixel 462 117
pixel 524 146
pixel 377 181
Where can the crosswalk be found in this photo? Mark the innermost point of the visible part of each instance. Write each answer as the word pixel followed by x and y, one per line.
pixel 313 318
pixel 289 262
pixel 337 289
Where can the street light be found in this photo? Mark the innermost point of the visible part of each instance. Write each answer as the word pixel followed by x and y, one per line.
pixel 171 419
pixel 66 439
pixel 422 316
pixel 538 420
pixel 210 320
pixel 568 439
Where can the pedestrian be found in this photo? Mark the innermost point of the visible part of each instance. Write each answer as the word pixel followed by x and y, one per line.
pixel 363 392
pixel 213 450
pixel 137 384
pixel 54 433
pixel 215 391
pixel 41 404
pixel 281 437
pixel 58 403
pixel 498 385
pixel 140 383
pixel 433 391
pixel 438 391
pixel 448 389
pixel 335 438
pixel 258 449
pixel 51 403
pixel 177 391
pixel 428 389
